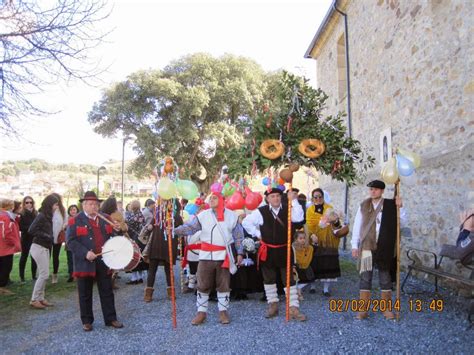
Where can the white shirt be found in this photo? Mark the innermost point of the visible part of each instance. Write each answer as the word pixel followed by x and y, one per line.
pixel 253 221
pixel 358 224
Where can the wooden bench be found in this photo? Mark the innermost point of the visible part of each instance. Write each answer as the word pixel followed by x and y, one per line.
pixel 437 272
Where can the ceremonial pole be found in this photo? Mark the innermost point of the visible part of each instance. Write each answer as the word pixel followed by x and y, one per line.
pixel 288 256
pixel 169 228
pixel 397 299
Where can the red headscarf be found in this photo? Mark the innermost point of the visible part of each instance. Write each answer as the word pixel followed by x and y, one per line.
pixel 220 207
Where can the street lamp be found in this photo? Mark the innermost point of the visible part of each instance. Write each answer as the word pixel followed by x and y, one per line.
pixel 98 172
pixel 125 139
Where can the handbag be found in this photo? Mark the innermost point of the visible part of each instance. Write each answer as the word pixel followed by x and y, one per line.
pixel 61 237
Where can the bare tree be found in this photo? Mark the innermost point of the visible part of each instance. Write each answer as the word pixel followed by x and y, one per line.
pixel 44 43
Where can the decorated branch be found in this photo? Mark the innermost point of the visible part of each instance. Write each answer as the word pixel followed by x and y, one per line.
pixel 290 128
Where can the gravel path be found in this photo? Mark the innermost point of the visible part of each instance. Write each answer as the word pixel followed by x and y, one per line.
pixel 148 327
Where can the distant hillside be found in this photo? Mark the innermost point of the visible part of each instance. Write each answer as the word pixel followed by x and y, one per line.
pixel 38 178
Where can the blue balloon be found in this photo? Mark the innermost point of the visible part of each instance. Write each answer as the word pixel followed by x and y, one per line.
pixel 191 208
pixel 281 187
pixel 327 198
pixel 405 167
pixel 266 181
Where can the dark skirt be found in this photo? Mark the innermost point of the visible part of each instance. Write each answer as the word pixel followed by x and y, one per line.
pixel 305 275
pixel 247 279
pixel 325 263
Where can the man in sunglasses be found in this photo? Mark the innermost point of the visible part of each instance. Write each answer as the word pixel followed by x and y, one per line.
pixel 373 243
pixel 269 223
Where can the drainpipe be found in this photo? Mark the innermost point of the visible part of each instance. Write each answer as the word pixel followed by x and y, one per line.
pixel 349 115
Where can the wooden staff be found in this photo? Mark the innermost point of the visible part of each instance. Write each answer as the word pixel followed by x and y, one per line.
pixel 397 300
pixel 106 219
pixel 288 257
pixel 169 224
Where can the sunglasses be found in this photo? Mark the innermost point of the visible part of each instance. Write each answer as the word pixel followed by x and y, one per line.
pixel 317 196
pixel 29 202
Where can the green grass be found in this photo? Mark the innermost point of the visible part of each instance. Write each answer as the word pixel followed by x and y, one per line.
pixel 22 296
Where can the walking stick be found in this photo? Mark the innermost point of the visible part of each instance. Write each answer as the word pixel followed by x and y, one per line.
pixel 397 300
pixel 169 229
pixel 288 258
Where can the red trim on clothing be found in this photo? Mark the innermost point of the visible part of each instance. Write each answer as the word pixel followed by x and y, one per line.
pixel 83 274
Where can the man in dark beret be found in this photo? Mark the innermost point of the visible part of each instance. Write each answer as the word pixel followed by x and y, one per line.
pixel 373 242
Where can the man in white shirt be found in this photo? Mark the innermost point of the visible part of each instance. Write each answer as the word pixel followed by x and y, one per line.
pixel 269 223
pixel 373 243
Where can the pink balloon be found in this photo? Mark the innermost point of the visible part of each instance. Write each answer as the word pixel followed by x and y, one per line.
pixel 235 202
pixel 252 201
pixel 216 187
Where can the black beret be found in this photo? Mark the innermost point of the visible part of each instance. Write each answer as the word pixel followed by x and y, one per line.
pixel 274 190
pixel 376 184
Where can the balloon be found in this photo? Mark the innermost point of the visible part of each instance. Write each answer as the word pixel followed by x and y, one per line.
pixel 166 188
pixel 187 189
pixel 191 208
pixel 251 199
pixel 281 181
pixel 235 202
pixel 216 187
pixel 228 190
pixel 327 198
pixel 266 181
pixel 186 216
pixel 411 156
pixel 409 180
pixel 260 198
pixel 405 166
pixel 281 187
pixel 389 171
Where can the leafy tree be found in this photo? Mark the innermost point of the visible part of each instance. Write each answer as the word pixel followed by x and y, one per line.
pixel 41 43
pixel 193 110
pixel 292 114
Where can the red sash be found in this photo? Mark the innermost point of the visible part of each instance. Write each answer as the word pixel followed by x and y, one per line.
pixel 196 246
pixel 263 250
pixel 211 247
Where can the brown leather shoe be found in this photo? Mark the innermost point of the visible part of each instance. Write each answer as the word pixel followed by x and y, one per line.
pixel 296 314
pixel 37 305
pixel 148 294
pixel 115 324
pixel 224 317
pixel 87 327
pixel 199 319
pixel 387 313
pixel 363 313
pixel 272 310
pixel 46 303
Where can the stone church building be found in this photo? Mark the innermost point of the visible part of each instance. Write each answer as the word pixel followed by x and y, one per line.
pixel 408 66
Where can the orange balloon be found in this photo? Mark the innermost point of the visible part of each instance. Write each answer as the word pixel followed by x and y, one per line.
pixel 281 181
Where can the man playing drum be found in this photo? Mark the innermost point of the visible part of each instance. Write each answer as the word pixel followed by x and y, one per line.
pixel 86 234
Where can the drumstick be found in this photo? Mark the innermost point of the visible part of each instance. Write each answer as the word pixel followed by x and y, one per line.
pixel 104 252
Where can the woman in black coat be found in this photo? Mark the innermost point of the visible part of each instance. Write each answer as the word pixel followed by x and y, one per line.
pixel 27 215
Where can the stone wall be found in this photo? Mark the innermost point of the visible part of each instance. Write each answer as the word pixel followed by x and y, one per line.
pixel 411 69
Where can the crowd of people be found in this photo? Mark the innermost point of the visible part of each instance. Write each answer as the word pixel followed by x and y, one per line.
pixel 225 254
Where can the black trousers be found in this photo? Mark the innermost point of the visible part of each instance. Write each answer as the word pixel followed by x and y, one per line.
pixel 106 294
pixel 152 269
pixel 6 265
pixel 55 255
pixel 25 251
pixel 69 262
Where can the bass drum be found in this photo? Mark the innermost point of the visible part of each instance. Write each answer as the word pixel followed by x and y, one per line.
pixel 121 253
